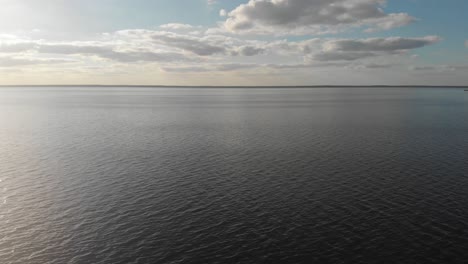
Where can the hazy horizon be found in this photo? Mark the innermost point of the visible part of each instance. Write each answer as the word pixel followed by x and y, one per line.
pixel 232 86
pixel 233 43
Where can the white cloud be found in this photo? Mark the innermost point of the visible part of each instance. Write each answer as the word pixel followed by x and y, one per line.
pixel 176 26
pixel 302 17
pixel 390 21
pixel 223 12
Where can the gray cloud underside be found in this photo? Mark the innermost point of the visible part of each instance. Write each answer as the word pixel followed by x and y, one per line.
pixel 181 46
pixel 301 17
pixel 350 49
pixel 342 56
pixel 191 44
pixel 15 62
pixel 206 45
pixel 234 67
pixel 110 53
pixel 433 68
pixel 105 52
pixel 382 44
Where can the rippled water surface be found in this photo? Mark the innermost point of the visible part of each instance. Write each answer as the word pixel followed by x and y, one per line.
pixel 185 175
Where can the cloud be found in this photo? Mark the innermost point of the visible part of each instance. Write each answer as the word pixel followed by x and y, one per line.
pixel 466 43
pixel 16 47
pixel 377 66
pixel 302 17
pixel 343 56
pixel 211 2
pixel 14 62
pixel 390 21
pixel 198 46
pixel 223 67
pixel 381 44
pixel 176 26
pixel 223 12
pixel 458 67
pixel 97 49
pixel 356 49
pixel 204 45
pixel 439 68
pixel 68 49
pixel 250 51
pixel 227 67
pixel 205 51
pixel 108 52
pixel 423 68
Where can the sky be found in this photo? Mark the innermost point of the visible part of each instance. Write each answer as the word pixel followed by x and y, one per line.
pixel 234 42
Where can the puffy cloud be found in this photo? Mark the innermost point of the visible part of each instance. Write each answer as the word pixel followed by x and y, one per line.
pixel 223 12
pixel 300 17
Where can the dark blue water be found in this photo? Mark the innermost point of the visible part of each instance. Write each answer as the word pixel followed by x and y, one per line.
pixel 172 175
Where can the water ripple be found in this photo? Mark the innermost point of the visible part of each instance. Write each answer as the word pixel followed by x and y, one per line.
pixel 135 175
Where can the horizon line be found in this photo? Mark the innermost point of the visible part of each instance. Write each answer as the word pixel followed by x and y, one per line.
pixel 232 86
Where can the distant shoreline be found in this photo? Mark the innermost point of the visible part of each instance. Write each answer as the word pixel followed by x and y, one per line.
pixel 243 86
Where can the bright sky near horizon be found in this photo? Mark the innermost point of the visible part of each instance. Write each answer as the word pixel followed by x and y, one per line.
pixel 234 42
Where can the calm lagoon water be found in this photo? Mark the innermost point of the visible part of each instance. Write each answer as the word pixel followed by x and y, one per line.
pixel 186 175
